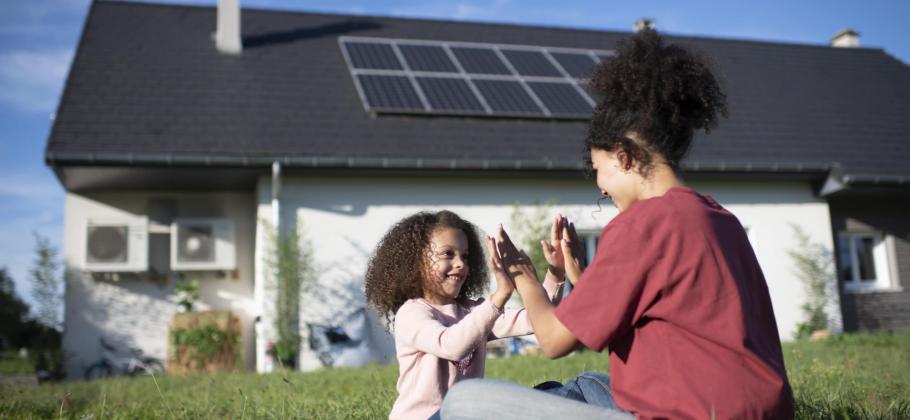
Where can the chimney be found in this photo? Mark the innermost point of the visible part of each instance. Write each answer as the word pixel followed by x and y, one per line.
pixel 845 38
pixel 227 32
pixel 643 23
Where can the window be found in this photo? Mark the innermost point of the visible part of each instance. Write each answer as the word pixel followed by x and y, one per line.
pixel 589 240
pixel 864 261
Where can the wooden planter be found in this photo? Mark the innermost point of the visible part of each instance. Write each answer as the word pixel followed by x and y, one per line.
pixel 183 358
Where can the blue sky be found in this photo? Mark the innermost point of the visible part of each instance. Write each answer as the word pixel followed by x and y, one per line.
pixel 38 39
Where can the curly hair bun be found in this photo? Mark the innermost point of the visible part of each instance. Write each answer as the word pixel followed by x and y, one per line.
pixel 660 92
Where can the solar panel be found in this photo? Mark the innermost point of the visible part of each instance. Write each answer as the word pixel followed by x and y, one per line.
pixel 507 96
pixel 371 55
pixel 604 57
pixel 389 92
pixel 427 58
pixel 561 98
pixel 577 65
pixel 584 86
pixel 469 78
pixel 531 63
pixel 449 94
pixel 480 60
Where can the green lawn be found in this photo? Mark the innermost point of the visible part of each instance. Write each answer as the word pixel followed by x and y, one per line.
pixel 12 364
pixel 855 376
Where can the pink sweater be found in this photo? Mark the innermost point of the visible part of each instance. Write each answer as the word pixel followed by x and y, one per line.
pixel 431 339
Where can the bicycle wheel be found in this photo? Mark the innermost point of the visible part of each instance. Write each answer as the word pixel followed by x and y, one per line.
pixel 97 371
pixel 150 366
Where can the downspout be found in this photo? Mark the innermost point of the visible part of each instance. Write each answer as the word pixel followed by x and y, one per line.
pixel 263 363
pixel 276 191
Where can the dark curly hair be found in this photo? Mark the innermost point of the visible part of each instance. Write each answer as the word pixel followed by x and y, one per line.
pixel 661 93
pixel 397 269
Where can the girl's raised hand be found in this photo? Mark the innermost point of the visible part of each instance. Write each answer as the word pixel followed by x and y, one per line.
pixel 504 284
pixel 515 262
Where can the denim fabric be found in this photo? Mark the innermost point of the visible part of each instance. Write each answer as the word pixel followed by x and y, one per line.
pixel 489 399
pixel 589 387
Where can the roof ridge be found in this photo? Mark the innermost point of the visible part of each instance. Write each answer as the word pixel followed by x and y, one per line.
pixel 669 35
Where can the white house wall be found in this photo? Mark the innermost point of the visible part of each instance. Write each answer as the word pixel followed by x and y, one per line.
pixel 133 310
pixel 344 217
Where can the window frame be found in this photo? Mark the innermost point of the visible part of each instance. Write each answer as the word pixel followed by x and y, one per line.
pixel 882 262
pixel 590 239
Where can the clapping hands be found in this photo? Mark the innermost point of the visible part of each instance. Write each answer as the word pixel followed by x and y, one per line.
pixel 564 251
pixel 514 262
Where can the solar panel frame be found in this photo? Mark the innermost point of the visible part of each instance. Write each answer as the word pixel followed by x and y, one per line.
pixel 431 58
pixel 389 92
pixel 373 55
pixel 467 90
pixel 530 62
pixel 564 99
pixel 474 60
pixel 577 65
pixel 508 97
pixel 450 94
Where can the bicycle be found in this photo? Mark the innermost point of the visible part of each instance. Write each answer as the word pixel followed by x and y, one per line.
pixel 133 365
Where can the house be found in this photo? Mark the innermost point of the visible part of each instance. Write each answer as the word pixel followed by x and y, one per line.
pixel 180 151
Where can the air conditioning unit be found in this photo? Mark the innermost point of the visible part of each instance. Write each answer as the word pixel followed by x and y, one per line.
pixel 116 245
pixel 202 244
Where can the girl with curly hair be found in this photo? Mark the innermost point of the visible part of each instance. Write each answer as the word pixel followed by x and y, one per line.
pixel 429 270
pixel 674 291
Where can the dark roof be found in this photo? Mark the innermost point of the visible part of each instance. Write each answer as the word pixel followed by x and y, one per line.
pixel 147 87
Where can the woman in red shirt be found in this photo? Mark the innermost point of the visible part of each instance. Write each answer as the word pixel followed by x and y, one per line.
pixel 674 291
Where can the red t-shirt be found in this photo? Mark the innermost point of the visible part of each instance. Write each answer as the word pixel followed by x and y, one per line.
pixel 677 294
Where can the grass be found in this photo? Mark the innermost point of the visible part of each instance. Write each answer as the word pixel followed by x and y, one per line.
pixel 853 376
pixel 12 364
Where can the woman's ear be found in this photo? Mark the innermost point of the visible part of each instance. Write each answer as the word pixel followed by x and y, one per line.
pixel 625 161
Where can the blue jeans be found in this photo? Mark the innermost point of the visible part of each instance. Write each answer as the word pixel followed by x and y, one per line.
pixel 486 399
pixel 589 387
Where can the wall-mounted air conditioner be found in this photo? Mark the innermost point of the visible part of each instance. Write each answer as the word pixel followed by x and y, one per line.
pixel 202 244
pixel 113 245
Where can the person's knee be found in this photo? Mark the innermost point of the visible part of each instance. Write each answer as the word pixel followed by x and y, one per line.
pixel 461 395
pixel 598 376
pixel 464 388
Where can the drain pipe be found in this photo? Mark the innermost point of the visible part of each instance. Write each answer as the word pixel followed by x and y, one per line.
pixel 276 191
pixel 264 363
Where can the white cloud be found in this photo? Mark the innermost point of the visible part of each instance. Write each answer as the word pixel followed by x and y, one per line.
pixel 12 190
pixel 476 10
pixel 32 81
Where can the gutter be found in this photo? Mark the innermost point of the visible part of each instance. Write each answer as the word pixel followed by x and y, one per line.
pixel 838 182
pixel 327 162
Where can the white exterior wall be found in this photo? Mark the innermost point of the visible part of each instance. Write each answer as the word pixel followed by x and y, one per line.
pixel 768 211
pixel 134 310
pixel 344 217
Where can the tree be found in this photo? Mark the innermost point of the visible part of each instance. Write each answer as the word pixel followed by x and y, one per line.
pixel 13 312
pixel 290 263
pixel 46 283
pixel 814 266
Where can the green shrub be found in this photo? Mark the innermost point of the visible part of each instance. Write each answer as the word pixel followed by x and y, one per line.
pixel 206 341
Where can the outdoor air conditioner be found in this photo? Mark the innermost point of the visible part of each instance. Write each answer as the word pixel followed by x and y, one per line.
pixel 116 245
pixel 202 244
